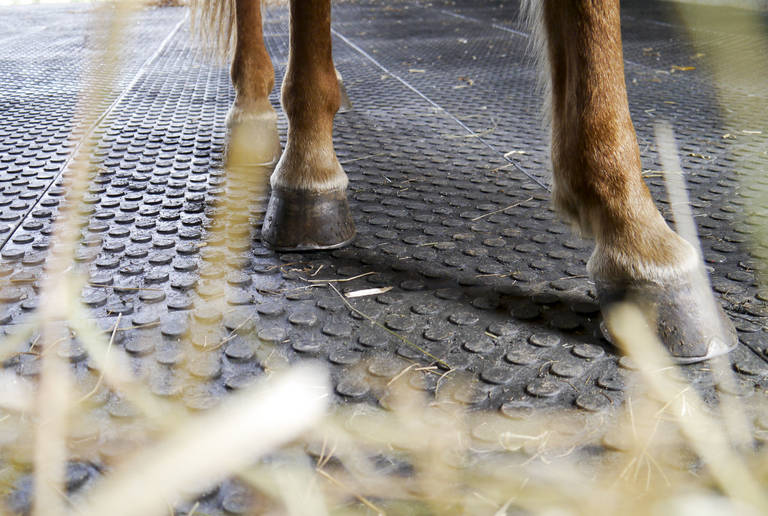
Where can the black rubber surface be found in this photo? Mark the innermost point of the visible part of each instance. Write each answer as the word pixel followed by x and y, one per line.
pixel 449 191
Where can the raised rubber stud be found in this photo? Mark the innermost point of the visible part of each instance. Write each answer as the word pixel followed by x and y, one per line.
pixel 307 221
pixel 690 325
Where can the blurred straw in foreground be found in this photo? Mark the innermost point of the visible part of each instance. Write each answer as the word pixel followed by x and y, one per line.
pixel 206 449
pixel 60 291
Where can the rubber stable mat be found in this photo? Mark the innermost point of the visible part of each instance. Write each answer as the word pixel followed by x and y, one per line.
pixel 448 185
pixel 43 70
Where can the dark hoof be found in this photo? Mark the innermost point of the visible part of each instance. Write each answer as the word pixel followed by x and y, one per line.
pixel 306 221
pixel 689 322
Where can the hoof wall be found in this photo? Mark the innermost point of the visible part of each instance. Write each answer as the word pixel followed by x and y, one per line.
pixel 688 321
pixel 307 221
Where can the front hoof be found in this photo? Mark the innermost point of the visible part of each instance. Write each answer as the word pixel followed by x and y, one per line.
pixel 689 322
pixel 307 221
pixel 252 141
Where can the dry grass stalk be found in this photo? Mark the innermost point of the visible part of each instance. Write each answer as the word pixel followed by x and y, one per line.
pixel 206 449
pixel 61 288
pixel 702 432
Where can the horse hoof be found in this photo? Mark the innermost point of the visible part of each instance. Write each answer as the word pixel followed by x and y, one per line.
pixel 252 142
pixel 689 322
pixel 307 221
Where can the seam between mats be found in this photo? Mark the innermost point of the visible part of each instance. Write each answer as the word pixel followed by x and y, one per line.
pixel 440 108
pixel 89 132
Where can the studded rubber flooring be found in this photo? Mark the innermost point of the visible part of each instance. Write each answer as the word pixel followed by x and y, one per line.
pixel 448 185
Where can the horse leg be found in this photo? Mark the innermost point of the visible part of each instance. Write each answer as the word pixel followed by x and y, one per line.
pixel 308 207
pixel 252 120
pixel 598 185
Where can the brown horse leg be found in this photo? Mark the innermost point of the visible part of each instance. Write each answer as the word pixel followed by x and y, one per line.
pixel 308 207
pixel 599 186
pixel 252 120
